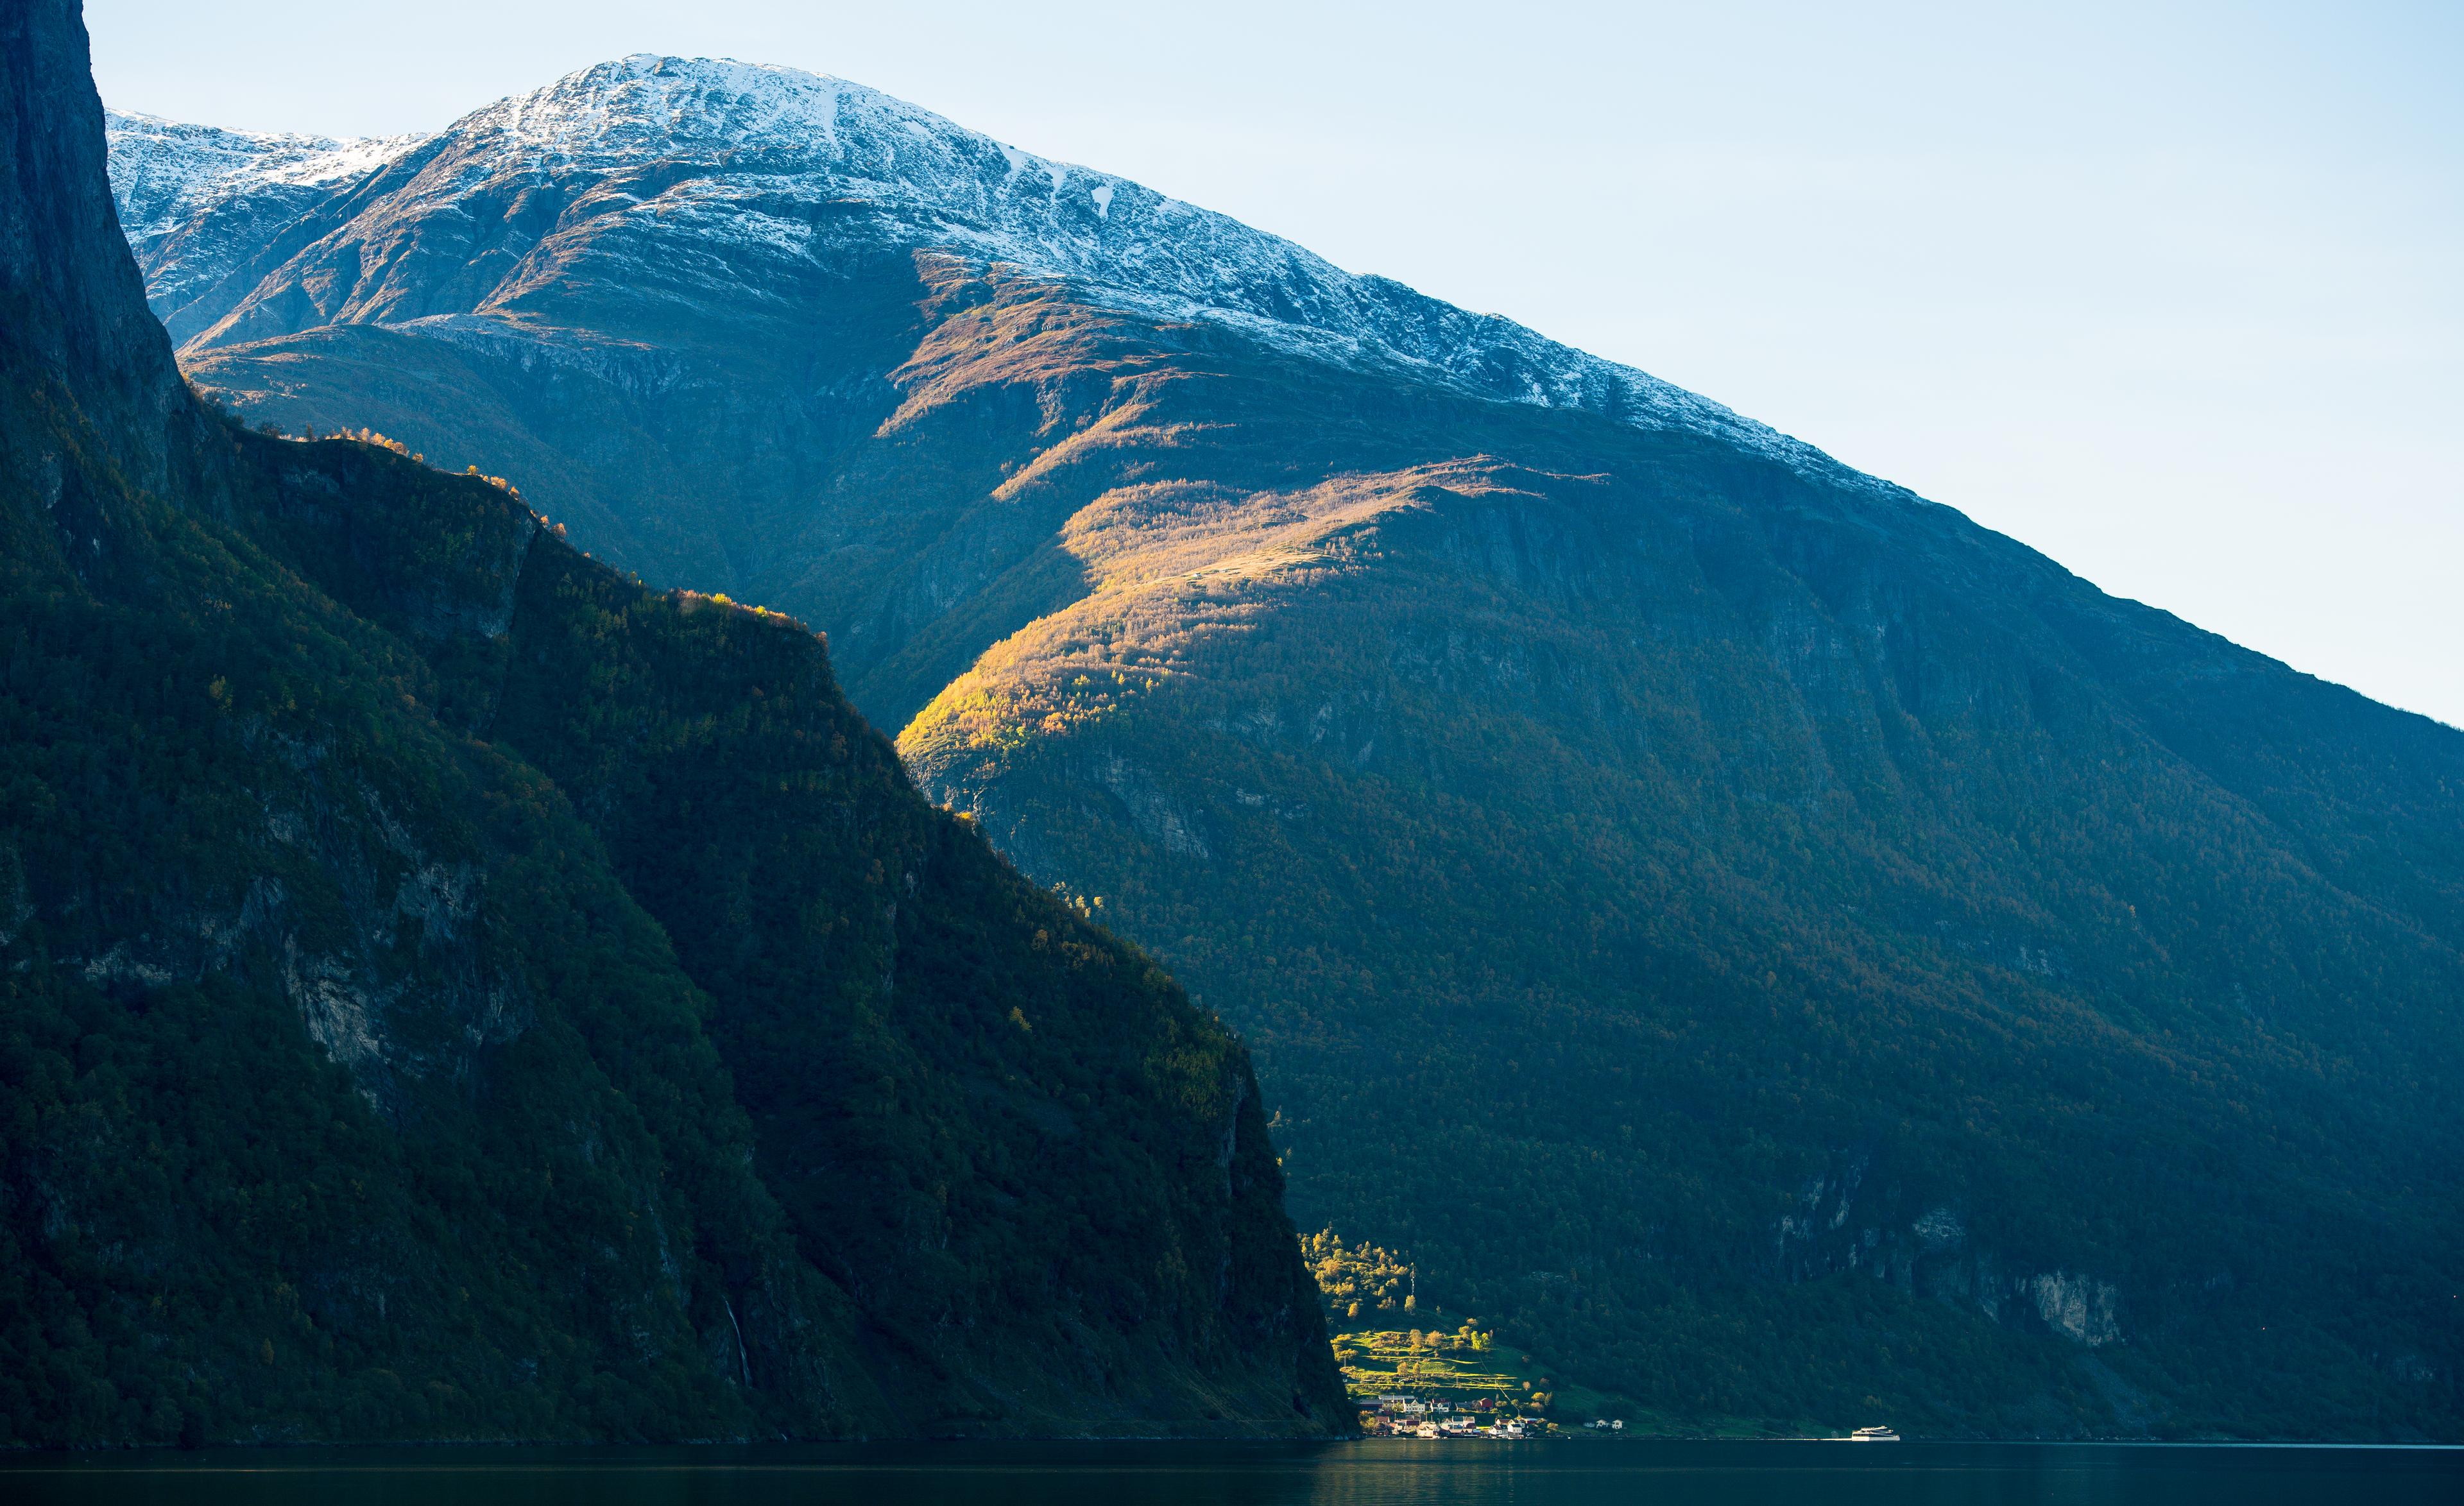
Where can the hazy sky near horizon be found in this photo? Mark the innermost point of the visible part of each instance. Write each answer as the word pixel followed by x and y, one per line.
pixel 2174 293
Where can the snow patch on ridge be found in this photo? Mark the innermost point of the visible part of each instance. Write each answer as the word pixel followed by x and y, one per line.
pixel 826 140
pixel 773 156
pixel 163 174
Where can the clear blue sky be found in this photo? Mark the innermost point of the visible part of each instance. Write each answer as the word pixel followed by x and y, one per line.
pixel 2174 293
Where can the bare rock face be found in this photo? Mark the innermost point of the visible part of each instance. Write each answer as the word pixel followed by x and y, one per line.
pixel 76 307
pixel 1608 816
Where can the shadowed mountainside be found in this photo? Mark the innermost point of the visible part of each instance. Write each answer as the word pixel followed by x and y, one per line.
pixel 452 991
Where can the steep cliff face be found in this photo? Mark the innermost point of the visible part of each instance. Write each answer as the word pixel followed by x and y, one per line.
pixel 1760 939
pixel 350 1086
pixel 1041 1177
pixel 75 308
pixel 347 1094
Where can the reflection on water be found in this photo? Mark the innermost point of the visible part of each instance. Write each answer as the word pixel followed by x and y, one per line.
pixel 1379 1473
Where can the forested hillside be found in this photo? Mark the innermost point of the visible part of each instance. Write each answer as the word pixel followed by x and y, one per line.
pixel 1739 933
pixel 351 1085
pixel 1042 1176
pixel 1766 945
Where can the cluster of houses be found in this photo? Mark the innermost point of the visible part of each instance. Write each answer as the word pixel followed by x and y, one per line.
pixel 1402 1415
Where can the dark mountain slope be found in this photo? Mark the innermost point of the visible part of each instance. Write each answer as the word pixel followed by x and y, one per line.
pixel 346 1090
pixel 1043 1176
pixel 1777 949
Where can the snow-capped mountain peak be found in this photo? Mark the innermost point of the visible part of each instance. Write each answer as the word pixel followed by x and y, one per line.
pixel 769 128
pixel 753 162
pixel 164 174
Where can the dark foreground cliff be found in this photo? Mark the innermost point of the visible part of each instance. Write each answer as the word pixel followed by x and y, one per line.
pixel 448 990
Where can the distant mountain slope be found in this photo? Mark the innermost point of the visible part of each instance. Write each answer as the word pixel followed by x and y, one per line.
pixel 195 198
pixel 776 165
pixel 350 1084
pixel 1765 943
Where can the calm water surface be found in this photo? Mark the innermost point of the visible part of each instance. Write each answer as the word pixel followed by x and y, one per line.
pixel 1378 1473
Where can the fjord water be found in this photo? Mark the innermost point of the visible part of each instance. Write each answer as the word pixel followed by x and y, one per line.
pixel 1378 1473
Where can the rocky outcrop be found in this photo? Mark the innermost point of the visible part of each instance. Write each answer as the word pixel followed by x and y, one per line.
pixel 1844 1225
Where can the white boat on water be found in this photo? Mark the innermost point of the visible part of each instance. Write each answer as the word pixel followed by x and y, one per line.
pixel 1873 1435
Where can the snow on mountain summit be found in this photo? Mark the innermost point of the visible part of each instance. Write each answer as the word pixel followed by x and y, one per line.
pixel 771 128
pixel 164 174
pixel 762 160
pixel 195 200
